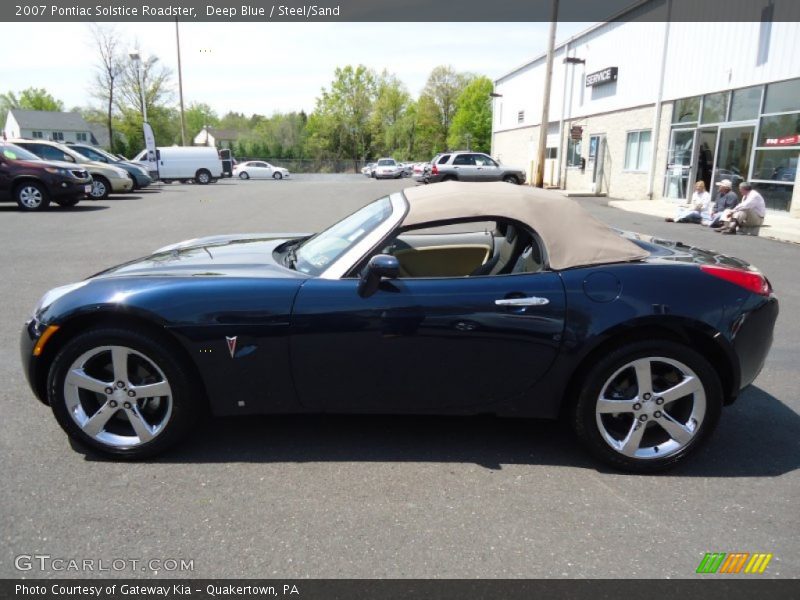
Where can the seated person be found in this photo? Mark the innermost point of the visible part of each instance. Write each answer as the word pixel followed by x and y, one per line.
pixel 750 212
pixel 698 210
pixel 726 199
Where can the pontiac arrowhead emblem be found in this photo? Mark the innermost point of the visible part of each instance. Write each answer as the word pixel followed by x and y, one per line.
pixel 231 344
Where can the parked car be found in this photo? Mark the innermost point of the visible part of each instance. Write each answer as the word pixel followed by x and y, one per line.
pixel 105 178
pixel 420 171
pixel 200 164
pixel 368 170
pixel 137 173
pixel 33 183
pixel 259 169
pixel 471 166
pixel 638 342
pixel 387 168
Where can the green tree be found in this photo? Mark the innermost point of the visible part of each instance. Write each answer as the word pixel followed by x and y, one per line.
pixel 39 99
pixel 392 100
pixel 472 122
pixel 340 125
pixel 438 104
pixel 197 116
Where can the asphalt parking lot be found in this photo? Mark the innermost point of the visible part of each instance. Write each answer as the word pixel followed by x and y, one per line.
pixel 376 496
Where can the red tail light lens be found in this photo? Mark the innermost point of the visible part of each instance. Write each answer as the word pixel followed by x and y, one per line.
pixel 750 280
pixel 434 169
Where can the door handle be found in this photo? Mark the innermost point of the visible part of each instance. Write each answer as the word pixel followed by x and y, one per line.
pixel 525 301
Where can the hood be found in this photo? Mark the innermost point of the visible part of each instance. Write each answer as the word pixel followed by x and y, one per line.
pixel 249 255
pixel 60 164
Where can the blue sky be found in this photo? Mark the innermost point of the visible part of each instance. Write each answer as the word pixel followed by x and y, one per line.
pixel 269 67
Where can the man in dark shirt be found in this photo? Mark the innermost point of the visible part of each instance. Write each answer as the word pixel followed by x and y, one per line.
pixel 726 198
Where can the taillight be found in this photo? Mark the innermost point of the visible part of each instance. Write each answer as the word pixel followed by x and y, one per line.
pixel 434 169
pixel 750 280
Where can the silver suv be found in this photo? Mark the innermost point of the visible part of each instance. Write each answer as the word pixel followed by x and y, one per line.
pixel 471 166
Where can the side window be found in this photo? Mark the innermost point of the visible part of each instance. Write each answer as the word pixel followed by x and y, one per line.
pixel 443 159
pixel 464 159
pixel 484 161
pixel 58 136
pixel 466 249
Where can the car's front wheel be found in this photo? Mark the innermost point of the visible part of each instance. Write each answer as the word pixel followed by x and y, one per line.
pixel 121 393
pixel 31 196
pixel 100 188
pixel 277 175
pixel 647 405
pixel 511 179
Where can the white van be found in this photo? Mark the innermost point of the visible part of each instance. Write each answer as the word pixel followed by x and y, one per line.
pixel 201 163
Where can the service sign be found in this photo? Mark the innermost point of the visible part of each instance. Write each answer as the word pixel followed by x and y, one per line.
pixel 607 75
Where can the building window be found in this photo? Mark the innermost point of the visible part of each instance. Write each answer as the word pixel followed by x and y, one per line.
pixel 37 135
pixel 551 152
pixel 81 137
pixel 58 136
pixel 687 110
pixel 745 104
pixel 637 151
pixel 715 108
pixel 521 116
pixel 783 97
pixel 573 153
pixel 764 34
pixel 780 130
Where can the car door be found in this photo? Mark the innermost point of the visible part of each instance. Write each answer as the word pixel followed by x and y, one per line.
pixel 424 345
pixel 486 169
pixel 259 170
pixel 464 167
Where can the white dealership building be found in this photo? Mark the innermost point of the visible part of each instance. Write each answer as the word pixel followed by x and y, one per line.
pixel 643 106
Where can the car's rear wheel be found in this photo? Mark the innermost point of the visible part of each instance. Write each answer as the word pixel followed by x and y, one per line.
pixel 121 393
pixel 648 405
pixel 202 177
pixel 511 179
pixel 277 175
pixel 448 178
pixel 100 188
pixel 68 202
pixel 244 175
pixel 31 196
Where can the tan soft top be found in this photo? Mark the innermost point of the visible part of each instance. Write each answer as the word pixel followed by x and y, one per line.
pixel 572 237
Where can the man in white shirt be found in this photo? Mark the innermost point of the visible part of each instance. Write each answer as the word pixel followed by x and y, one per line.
pixel 750 212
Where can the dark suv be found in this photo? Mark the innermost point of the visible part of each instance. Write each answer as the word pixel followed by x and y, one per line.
pixel 32 183
pixel 471 166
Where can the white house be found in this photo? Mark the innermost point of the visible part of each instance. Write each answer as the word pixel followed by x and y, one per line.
pixel 47 125
pixel 220 138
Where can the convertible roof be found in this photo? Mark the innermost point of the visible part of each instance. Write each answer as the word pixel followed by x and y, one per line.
pixel 572 237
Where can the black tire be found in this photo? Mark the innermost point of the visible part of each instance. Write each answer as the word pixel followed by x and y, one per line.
pixel 448 178
pixel 511 179
pixel 31 196
pixel 100 188
pixel 185 397
pixel 202 177
pixel 277 175
pixel 68 202
pixel 584 417
pixel 166 181
pixel 244 175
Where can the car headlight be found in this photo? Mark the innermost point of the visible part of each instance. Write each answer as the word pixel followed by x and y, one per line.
pixel 121 172
pixel 56 293
pixel 56 170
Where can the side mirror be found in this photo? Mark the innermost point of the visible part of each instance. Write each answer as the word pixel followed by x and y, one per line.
pixel 380 266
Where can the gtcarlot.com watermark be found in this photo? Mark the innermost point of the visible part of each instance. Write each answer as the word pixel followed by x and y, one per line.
pixel 61 564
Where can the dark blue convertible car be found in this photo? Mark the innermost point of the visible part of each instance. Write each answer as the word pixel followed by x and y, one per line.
pixel 448 299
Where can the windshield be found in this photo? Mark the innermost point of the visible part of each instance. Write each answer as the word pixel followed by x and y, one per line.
pixel 386 162
pixel 13 152
pixel 316 253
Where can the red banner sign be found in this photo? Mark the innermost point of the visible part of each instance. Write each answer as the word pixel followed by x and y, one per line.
pixel 787 140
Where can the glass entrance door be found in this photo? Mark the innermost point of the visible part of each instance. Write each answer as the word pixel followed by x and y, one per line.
pixel 733 154
pixel 679 163
pixel 704 163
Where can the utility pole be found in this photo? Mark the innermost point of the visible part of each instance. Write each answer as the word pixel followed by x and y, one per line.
pixel 538 178
pixel 180 83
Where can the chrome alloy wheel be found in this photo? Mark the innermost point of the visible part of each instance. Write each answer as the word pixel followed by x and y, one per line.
pixel 651 408
pixel 98 189
pixel 118 396
pixel 31 196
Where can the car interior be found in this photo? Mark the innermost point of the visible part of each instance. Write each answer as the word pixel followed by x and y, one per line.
pixel 500 248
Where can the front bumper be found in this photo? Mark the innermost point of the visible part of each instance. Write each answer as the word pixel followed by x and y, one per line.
pixel 142 180
pixel 30 363
pixel 69 188
pixel 120 184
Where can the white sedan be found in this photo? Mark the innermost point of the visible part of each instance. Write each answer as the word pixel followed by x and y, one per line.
pixel 387 168
pixel 258 169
